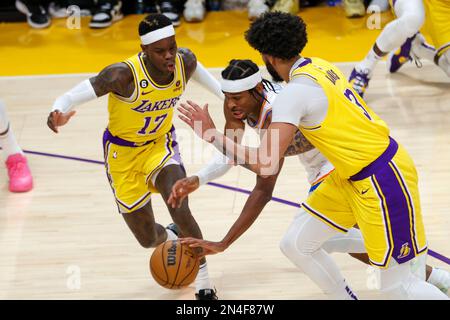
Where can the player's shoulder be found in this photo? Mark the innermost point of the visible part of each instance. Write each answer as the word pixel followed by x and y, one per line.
pixel 189 60
pixel 118 72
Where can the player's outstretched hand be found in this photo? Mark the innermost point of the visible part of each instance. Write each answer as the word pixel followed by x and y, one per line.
pixel 198 119
pixel 57 119
pixel 181 189
pixel 209 247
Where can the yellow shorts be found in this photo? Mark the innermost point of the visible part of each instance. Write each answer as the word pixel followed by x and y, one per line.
pixel 437 23
pixel 130 169
pixel 385 205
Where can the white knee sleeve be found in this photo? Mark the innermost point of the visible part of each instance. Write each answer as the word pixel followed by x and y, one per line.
pixel 302 246
pixel 410 17
pixel 350 242
pixel 406 282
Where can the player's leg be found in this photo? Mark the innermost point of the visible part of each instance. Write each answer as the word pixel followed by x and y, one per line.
pixel 405 282
pixel 323 216
pixel 147 232
pixel 302 246
pixel 387 209
pixel 443 61
pixel 20 179
pixel 183 218
pixel 409 18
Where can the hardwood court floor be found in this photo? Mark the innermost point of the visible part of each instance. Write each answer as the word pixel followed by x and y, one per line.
pixel 67 229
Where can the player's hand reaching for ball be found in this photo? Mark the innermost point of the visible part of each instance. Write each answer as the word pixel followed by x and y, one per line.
pixel 57 119
pixel 209 247
pixel 198 119
pixel 181 189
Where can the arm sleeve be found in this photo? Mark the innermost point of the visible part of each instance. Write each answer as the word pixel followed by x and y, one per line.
pixel 206 79
pixel 81 93
pixel 215 168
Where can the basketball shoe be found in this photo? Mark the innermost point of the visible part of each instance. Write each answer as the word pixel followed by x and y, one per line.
pixel 359 80
pixel 406 53
pixel 354 8
pixel 168 9
pixel 286 6
pixel 194 11
pixel 20 179
pixel 206 294
pixel 174 228
pixel 37 15
pixel 108 13
pixel 256 8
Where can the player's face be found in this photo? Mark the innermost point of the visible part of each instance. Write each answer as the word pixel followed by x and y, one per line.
pixel 241 104
pixel 270 68
pixel 162 54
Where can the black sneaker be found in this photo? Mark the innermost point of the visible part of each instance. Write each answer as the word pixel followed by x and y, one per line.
pixel 174 228
pixel 206 294
pixel 170 12
pixel 37 16
pixel 106 15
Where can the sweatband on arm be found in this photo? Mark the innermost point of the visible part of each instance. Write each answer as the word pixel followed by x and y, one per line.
pixel 81 93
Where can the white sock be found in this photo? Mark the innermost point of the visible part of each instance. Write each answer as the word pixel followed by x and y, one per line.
pixel 342 292
pixel 369 63
pixel 440 278
pixel 171 235
pixel 350 242
pixel 421 49
pixel 202 281
pixel 7 139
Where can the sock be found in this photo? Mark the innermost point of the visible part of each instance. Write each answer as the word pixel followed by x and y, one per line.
pixel 202 281
pixel 342 292
pixel 7 139
pixel 171 235
pixel 350 242
pixel 421 49
pixel 439 278
pixel 369 62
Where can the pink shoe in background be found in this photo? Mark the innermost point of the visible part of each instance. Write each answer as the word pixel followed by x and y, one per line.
pixel 20 179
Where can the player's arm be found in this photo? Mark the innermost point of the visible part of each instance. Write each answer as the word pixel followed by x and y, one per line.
pixel 289 108
pixel 195 70
pixel 116 78
pixel 217 166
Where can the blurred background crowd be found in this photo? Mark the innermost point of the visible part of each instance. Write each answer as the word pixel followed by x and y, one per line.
pixel 104 13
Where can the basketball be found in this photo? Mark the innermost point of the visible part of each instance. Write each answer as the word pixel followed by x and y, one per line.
pixel 174 265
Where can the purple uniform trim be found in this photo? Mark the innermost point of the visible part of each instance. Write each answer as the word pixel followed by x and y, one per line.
pixel 322 217
pixel 432 253
pixel 379 163
pixel 399 212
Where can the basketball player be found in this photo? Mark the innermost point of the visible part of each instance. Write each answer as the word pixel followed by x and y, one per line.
pixel 20 179
pixel 140 147
pixel 248 100
pixel 374 183
pixel 410 16
pixel 416 48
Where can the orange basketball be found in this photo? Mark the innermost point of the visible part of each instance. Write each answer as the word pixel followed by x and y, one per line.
pixel 174 265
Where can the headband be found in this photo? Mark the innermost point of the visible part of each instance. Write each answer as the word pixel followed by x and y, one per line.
pixel 157 35
pixel 239 85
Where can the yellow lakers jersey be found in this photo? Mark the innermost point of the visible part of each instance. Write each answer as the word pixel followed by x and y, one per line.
pixel 148 113
pixel 351 136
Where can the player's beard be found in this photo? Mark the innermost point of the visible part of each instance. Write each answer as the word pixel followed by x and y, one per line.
pixel 275 76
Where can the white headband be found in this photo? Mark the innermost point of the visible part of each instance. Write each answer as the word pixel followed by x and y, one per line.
pixel 239 85
pixel 157 35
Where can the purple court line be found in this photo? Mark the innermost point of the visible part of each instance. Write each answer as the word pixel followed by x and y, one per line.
pixel 432 253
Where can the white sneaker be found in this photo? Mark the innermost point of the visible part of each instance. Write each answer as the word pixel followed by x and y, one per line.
pixel 256 8
pixel 194 11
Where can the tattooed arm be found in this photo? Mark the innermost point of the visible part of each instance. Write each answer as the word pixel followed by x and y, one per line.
pixel 299 145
